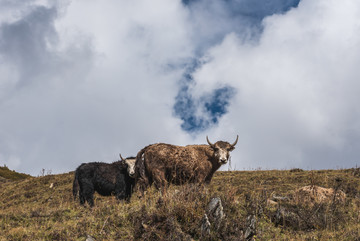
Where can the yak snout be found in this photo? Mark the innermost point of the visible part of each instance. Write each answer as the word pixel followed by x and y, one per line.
pixel 223 161
pixel 131 167
pixel 222 155
pixel 132 175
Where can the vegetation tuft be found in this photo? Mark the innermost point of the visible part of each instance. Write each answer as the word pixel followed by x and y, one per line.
pixel 259 205
pixel 7 174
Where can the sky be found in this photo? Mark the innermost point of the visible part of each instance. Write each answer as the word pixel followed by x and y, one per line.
pixel 83 81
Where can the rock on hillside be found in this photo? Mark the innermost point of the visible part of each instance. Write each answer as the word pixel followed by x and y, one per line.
pixel 314 194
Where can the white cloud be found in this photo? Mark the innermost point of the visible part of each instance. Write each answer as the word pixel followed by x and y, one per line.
pixel 93 79
pixel 298 88
pixel 104 87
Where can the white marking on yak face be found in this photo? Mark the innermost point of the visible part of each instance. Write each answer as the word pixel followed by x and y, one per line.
pixel 222 154
pixel 130 166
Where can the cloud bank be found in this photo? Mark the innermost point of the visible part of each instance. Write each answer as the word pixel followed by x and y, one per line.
pixel 297 87
pixel 83 80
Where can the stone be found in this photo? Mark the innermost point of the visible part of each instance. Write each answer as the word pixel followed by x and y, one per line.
pixel 251 227
pixel 215 211
pixel 205 226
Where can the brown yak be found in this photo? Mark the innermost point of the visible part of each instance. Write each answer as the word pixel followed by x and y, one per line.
pixel 164 163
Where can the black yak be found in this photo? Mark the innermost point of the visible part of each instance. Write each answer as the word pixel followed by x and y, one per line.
pixel 106 179
pixel 164 163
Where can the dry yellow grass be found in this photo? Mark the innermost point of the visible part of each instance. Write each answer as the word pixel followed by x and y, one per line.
pixel 42 208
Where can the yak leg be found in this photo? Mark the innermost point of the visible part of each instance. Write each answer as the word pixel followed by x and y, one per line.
pixel 120 194
pixel 120 187
pixel 82 199
pixel 90 199
pixel 82 192
pixel 87 193
pixel 160 181
pixel 141 186
pixel 128 190
pixel 143 182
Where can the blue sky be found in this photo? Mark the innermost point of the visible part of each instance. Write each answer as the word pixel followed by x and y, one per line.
pixel 199 114
pixel 83 81
pixel 243 17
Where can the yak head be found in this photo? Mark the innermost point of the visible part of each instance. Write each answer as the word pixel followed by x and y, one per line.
pixel 222 149
pixel 130 163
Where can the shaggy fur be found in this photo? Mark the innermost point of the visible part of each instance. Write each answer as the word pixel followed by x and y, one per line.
pixel 164 163
pixel 106 179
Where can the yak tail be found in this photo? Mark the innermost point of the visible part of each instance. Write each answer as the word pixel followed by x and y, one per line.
pixel 140 164
pixel 142 179
pixel 76 185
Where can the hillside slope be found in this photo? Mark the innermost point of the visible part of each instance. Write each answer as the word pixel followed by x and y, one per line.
pixel 42 208
pixel 7 174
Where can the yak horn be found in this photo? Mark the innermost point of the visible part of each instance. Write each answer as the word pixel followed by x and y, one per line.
pixel 209 141
pixel 121 157
pixel 237 138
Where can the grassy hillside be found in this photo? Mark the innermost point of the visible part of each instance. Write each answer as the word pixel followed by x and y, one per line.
pixel 6 173
pixel 42 208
